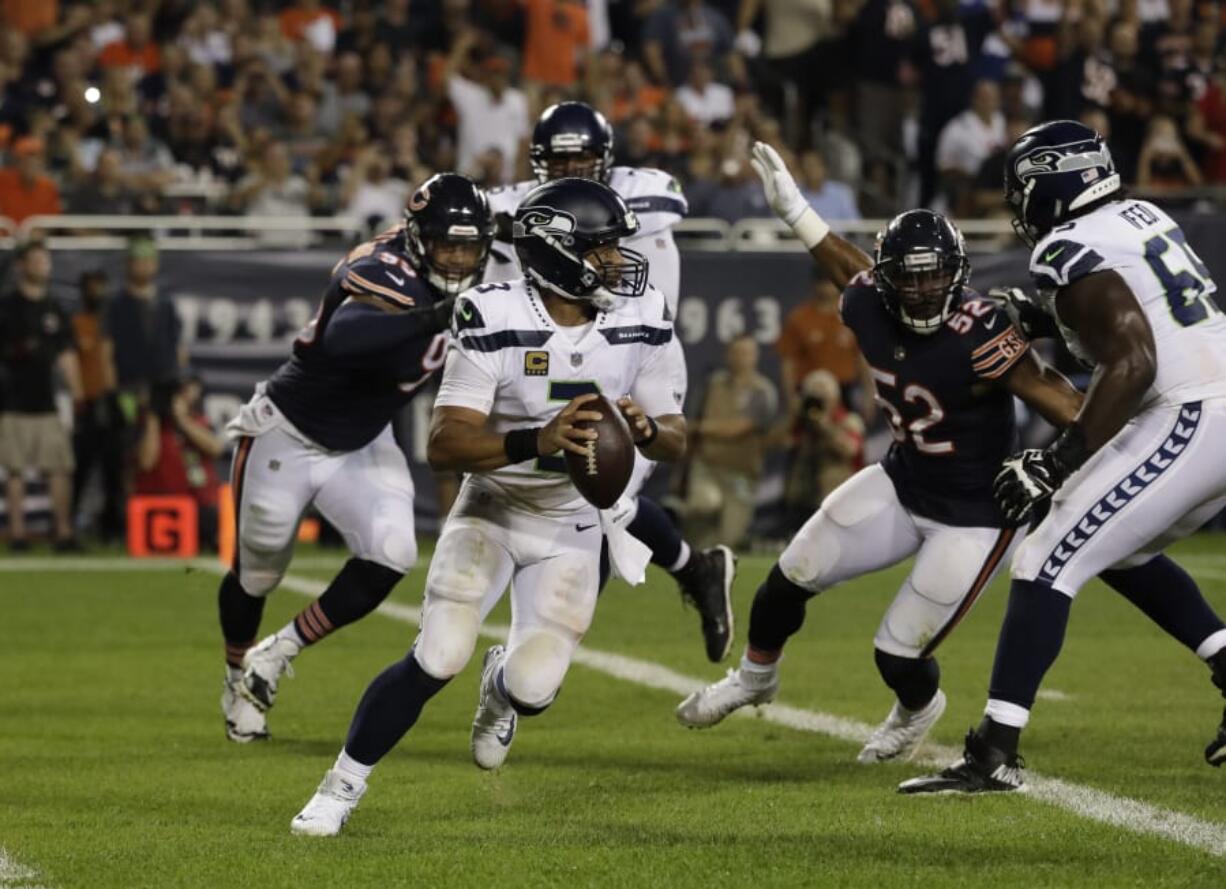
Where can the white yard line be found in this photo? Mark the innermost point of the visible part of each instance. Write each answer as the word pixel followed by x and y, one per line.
pixel 1095 805
pixel 16 876
pixel 1053 694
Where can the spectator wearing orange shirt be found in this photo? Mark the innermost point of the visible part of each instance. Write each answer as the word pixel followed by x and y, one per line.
pixel 137 51
pixel 556 40
pixel 25 190
pixel 815 338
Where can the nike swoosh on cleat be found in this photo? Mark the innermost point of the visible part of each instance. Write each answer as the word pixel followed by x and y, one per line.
pixel 505 739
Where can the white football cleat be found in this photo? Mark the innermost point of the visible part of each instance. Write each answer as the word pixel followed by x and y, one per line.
pixel 329 808
pixel 708 706
pixel 901 733
pixel 495 722
pixel 263 665
pixel 244 721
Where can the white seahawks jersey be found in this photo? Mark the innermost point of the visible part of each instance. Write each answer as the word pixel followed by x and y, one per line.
pixel 510 361
pixel 657 201
pixel 1148 250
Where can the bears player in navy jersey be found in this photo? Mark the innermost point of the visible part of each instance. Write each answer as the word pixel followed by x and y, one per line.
pixel 318 431
pixel 946 365
pixel 574 139
pixel 1139 468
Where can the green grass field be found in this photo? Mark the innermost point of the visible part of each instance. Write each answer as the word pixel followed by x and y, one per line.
pixel 116 771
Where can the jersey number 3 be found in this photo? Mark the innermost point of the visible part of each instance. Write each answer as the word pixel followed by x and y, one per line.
pixel 913 393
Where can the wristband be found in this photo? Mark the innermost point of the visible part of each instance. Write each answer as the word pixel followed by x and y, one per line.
pixel 651 436
pixel 1070 449
pixel 520 444
pixel 810 228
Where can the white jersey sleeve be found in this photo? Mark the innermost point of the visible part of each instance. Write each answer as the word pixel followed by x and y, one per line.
pixel 1172 285
pixel 659 203
pixel 659 388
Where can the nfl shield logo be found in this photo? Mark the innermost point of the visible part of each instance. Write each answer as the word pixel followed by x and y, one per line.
pixel 575 359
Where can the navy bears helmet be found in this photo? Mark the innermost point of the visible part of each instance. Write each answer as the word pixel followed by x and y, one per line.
pixel 921 267
pixel 448 231
pixel 566 235
pixel 1053 172
pixel 571 139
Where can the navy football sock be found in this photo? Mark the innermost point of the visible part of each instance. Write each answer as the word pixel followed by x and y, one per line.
pixel 652 526
pixel 1169 597
pixel 1030 641
pixel 240 615
pixel 389 708
pixel 778 612
pixel 915 680
pixel 354 593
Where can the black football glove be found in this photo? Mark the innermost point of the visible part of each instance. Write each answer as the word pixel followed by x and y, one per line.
pixel 1033 476
pixel 1026 314
pixel 439 314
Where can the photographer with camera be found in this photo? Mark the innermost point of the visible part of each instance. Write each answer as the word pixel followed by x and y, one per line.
pixel 828 446
pixel 177 452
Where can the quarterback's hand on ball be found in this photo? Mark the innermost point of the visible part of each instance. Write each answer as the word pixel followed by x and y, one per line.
pixel 1025 314
pixel 781 190
pixel 561 433
pixel 1025 480
pixel 640 426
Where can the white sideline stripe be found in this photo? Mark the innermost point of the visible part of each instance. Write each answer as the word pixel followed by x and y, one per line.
pixel 1095 805
pixel 1053 694
pixel 16 876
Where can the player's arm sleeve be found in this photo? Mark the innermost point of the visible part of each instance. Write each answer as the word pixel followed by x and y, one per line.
pixel 659 388
pixel 1063 261
pixel 357 330
pixel 995 344
pixel 469 380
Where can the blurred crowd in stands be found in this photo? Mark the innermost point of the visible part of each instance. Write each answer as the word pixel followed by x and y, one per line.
pixel 299 107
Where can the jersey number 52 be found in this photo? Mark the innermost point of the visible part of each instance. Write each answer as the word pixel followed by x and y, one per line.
pixel 900 428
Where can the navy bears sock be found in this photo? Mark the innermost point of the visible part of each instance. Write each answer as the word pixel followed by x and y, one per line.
pixel 914 680
pixel 355 592
pixel 778 612
pixel 240 615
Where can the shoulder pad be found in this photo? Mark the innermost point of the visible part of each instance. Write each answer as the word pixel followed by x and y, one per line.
pixel 385 275
pixel 994 343
pixel 859 289
pixel 1061 258
pixel 506 198
pixel 647 190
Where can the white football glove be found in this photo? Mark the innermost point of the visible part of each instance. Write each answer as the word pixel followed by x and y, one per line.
pixel 781 190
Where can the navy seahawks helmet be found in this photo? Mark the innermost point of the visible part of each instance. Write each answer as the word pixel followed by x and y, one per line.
pixel 1053 172
pixel 920 269
pixel 559 231
pixel 448 231
pixel 571 139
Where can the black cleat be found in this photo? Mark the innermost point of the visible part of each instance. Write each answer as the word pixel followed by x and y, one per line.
pixel 706 583
pixel 982 769
pixel 1215 752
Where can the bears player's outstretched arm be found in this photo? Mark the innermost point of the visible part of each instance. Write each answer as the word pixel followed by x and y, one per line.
pixel 460 441
pixel 1102 311
pixel 1044 389
pixel 840 259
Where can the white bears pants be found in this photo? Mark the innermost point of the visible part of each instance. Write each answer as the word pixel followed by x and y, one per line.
pixel 553 566
pixel 862 527
pixel 1159 479
pixel 365 494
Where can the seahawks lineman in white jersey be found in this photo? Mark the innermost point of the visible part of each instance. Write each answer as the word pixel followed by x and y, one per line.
pixel 573 139
pixel 1142 465
pixel 526 356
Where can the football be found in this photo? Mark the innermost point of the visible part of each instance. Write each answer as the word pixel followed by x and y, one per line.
pixel 604 472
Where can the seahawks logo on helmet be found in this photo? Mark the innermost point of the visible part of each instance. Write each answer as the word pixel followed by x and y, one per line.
pixel 1062 159
pixel 546 221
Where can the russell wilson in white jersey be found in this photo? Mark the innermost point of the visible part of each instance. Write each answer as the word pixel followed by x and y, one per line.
pixel 574 139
